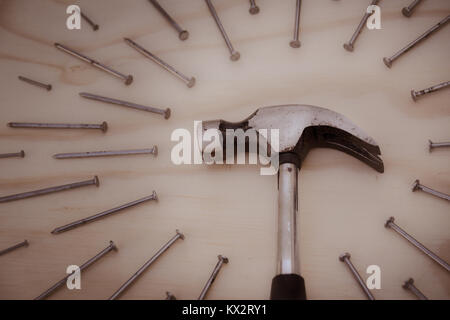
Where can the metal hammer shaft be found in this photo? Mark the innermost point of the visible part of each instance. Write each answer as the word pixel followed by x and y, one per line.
pixel 287 258
pixel 288 284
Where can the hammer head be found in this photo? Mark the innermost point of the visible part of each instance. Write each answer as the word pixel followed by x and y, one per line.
pixel 302 128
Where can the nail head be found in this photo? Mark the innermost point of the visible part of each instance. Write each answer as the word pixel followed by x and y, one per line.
pixel 349 47
pixel 184 35
pixel 344 256
pixel 129 80
pixel 295 44
pixel 388 222
pixel 167 113
pixel 406 12
pixel 254 10
pixel 387 62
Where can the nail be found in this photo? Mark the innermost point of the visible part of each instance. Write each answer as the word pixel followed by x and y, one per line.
pixel 388 61
pixel 182 34
pixel 349 46
pixel 418 186
pixel 41 192
pixel 48 87
pixel 97 216
pixel 92 154
pixel 213 276
pixel 346 258
pixel 390 224
pixel 438 145
pixel 296 43
pixel 128 79
pixel 146 265
pixel 190 82
pixel 20 154
pixel 234 54
pixel 408 11
pixel 170 296
pixel 89 21
pixel 103 126
pixel 416 94
pixel 254 9
pixel 14 247
pixel 165 113
pixel 60 283
pixel 409 285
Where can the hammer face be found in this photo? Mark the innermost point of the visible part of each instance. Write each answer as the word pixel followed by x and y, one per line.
pixel 303 127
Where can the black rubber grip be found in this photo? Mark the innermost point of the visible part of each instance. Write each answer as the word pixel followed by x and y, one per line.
pixel 288 287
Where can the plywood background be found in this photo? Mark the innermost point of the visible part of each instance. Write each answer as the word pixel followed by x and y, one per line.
pixel 229 210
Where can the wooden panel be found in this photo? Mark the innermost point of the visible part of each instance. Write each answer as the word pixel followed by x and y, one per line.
pixel 227 210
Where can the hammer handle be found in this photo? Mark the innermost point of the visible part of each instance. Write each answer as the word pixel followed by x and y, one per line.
pixel 288 284
pixel 288 287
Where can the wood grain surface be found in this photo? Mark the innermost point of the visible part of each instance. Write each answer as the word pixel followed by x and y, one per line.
pixel 228 210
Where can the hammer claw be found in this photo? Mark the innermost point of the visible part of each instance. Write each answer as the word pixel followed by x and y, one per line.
pixel 343 141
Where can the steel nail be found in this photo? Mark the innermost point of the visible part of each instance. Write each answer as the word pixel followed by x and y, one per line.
pixel 165 113
pixel 416 94
pixel 409 285
pixel 182 34
pixel 48 87
pixel 390 224
pixel 146 265
pixel 388 61
pixel 60 283
pixel 421 187
pixel 190 82
pixel 29 125
pixel 346 258
pixel 128 79
pixel 92 154
pixel 254 9
pixel 349 46
pixel 433 145
pixel 40 192
pixel 408 11
pixel 97 216
pixel 235 55
pixel 20 154
pixel 89 21
pixel 14 247
pixel 213 276
pixel 296 43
